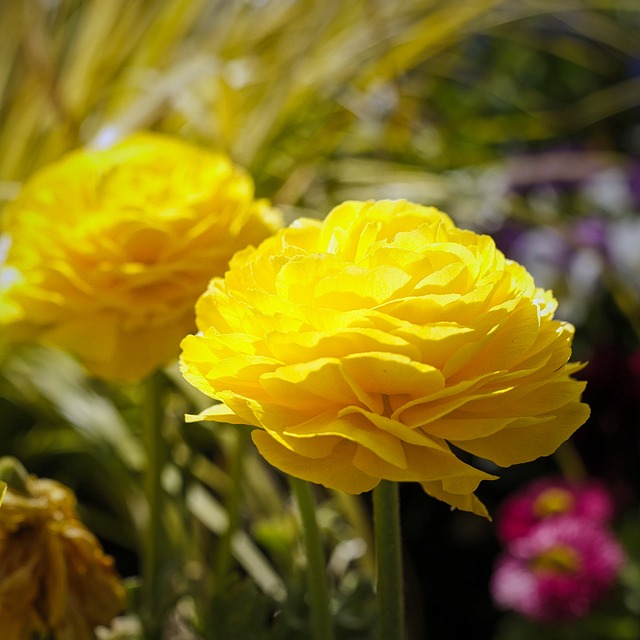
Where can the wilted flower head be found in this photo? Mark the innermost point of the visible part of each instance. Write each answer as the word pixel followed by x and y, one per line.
pixel 108 250
pixel 54 577
pixel 363 346
pixel 559 571
pixel 552 498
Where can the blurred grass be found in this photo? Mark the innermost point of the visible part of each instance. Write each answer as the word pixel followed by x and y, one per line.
pixel 287 87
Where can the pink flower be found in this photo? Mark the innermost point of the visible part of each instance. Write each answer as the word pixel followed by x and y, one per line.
pixel 550 498
pixel 559 571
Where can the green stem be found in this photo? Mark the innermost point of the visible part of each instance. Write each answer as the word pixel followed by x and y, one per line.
pixel 386 521
pixel 224 555
pixel 152 406
pixel 321 617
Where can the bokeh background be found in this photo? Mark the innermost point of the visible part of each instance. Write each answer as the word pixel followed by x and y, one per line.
pixel 520 118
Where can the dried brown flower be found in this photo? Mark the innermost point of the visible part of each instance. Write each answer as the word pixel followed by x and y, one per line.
pixel 54 576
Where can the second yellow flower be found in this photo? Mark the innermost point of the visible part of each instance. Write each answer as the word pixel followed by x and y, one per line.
pixel 109 249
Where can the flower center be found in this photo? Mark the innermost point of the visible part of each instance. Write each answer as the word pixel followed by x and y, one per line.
pixel 559 560
pixel 552 502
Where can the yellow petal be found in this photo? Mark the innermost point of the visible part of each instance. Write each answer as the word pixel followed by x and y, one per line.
pixel 393 374
pixel 436 341
pixel 465 502
pixel 529 399
pixel 300 347
pixel 503 347
pixel 318 382
pixel 217 413
pixel 526 439
pixel 353 427
pixel 336 471
pixel 450 278
pixel 354 287
pixel 397 429
pixel 422 464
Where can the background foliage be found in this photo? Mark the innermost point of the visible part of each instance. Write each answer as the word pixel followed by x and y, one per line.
pixel 518 118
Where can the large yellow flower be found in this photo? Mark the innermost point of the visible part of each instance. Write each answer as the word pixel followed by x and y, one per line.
pixel 109 250
pixel 364 346
pixel 55 580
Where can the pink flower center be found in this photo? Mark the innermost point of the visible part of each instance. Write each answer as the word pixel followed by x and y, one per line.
pixel 559 560
pixel 552 502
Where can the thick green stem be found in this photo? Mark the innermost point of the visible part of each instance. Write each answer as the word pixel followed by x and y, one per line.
pixel 153 414
pixel 390 593
pixel 321 617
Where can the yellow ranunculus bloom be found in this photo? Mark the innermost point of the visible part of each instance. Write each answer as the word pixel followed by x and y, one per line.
pixel 110 249
pixel 363 346
pixel 55 580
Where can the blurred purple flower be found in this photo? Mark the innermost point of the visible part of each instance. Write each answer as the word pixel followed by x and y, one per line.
pixel 545 253
pixel 591 233
pixel 561 169
pixel 624 239
pixel 549 498
pixel 634 182
pixel 568 258
pixel 559 572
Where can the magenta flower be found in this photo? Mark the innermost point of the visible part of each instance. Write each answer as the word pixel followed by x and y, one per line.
pixel 550 498
pixel 559 571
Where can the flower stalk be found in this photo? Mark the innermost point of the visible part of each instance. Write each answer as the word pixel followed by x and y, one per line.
pixel 321 618
pixel 152 406
pixel 390 592
pixel 224 556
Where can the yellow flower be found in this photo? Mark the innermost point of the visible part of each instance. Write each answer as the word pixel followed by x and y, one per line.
pixel 365 346
pixel 109 250
pixel 54 577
